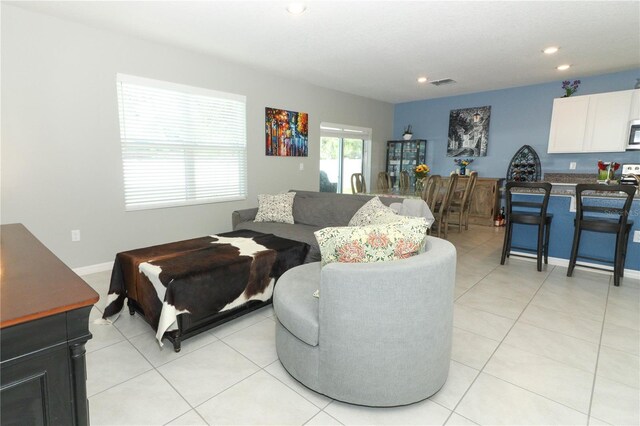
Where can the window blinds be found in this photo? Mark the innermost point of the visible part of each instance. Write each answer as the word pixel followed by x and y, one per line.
pixel 344 131
pixel 181 145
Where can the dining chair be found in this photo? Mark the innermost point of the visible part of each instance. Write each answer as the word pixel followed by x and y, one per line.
pixel 405 181
pixel 441 212
pixel 358 184
pixel 430 190
pixel 384 181
pixel 462 204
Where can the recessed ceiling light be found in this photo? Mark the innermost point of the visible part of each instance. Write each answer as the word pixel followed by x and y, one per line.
pixel 422 79
pixel 563 67
pixel 550 50
pixel 296 8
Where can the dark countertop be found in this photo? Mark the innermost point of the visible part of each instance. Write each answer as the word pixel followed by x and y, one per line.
pixel 564 185
pixel 571 178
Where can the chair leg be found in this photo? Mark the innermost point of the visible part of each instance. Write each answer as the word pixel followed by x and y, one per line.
pixel 623 251
pixel 574 250
pixel 617 257
pixel 460 221
pixel 506 243
pixel 510 230
pixel 546 242
pixel 466 220
pixel 540 245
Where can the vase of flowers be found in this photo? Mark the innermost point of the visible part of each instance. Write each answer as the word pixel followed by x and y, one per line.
pixel 462 164
pixel 420 172
pixel 570 88
pixel 607 171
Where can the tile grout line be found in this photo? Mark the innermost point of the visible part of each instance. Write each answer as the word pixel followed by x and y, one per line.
pixel 595 371
pixel 496 349
pixel 528 390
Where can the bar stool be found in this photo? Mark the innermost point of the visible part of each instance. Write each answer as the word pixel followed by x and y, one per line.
pixel 535 215
pixel 603 221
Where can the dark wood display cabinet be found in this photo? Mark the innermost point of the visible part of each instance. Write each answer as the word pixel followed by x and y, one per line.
pixel 405 155
pixel 44 325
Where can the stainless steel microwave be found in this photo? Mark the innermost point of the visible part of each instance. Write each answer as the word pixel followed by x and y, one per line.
pixel 634 135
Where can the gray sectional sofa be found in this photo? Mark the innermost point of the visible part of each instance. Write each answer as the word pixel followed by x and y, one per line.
pixel 311 211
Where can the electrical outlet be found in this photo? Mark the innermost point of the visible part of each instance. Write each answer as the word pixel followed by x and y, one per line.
pixel 572 165
pixel 75 235
pixel 301 166
pixel 636 236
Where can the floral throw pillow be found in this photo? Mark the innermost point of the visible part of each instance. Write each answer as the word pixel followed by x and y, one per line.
pixel 372 209
pixel 275 208
pixel 372 243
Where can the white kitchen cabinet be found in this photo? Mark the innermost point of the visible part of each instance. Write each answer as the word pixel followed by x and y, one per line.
pixel 568 124
pixel 591 123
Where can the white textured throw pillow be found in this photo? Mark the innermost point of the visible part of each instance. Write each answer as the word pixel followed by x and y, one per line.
pixel 372 211
pixel 275 208
pixel 372 243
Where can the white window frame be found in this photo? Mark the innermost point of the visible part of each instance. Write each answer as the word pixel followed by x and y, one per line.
pixel 346 131
pixel 191 147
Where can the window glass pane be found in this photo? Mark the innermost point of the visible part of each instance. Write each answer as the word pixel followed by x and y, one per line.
pixel 329 164
pixel 180 145
pixel 352 150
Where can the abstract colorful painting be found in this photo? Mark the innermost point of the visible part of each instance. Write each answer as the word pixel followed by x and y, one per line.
pixel 286 133
pixel 469 132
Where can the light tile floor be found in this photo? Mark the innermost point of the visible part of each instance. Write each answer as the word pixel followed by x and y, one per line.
pixel 528 348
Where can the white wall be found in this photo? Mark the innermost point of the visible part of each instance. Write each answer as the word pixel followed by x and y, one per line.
pixel 61 167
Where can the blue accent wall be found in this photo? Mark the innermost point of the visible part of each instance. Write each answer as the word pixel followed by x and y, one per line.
pixel 519 116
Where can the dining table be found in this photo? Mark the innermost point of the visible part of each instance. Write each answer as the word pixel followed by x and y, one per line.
pixel 409 203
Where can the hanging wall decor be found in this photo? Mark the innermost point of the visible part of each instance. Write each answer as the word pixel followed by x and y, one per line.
pixel 286 133
pixel 469 132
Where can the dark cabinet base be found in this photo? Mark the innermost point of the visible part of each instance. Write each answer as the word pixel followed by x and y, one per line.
pixel 43 371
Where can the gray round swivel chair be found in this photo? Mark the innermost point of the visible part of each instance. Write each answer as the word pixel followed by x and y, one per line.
pixel 378 335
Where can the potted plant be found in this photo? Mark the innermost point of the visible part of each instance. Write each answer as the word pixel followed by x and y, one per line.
pixel 570 88
pixel 408 133
pixel 606 171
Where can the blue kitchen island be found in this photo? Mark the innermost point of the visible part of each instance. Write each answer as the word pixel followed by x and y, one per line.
pixel 592 244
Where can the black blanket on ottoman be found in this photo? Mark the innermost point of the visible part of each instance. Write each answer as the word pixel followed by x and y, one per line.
pixel 203 277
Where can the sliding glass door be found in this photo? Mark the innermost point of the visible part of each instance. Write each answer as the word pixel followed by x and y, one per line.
pixel 339 159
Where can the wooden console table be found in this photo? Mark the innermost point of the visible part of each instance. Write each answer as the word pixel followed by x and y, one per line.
pixel 44 322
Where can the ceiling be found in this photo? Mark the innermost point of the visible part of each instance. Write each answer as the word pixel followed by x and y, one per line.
pixel 378 49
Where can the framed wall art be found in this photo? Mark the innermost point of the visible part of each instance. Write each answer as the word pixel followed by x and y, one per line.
pixel 286 133
pixel 468 132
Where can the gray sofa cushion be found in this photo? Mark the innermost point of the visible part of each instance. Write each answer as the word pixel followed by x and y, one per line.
pixel 326 209
pixel 294 302
pixel 298 232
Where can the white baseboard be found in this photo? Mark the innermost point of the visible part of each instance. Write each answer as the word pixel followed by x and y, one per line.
pixel 603 269
pixel 92 269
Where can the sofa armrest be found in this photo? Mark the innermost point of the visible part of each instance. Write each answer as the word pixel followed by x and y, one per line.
pixel 245 215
